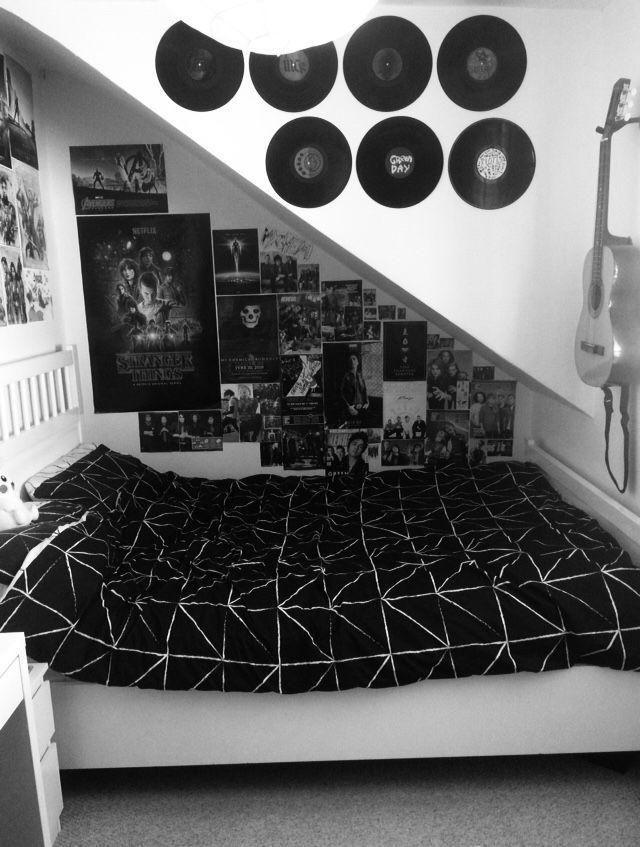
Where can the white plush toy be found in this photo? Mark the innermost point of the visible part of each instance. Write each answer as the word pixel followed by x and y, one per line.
pixel 13 512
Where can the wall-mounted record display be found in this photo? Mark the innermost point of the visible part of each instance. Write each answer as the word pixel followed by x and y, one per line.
pixel 297 81
pixel 481 63
pixel 491 163
pixel 387 63
pixel 308 162
pixel 399 162
pixel 195 71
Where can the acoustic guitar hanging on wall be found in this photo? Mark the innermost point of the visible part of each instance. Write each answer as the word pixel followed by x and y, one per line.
pixel 607 345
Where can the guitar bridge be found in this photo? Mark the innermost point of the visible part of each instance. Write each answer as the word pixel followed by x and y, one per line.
pixel 596 349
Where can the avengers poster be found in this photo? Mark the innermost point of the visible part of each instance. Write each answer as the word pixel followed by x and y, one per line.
pixel 117 179
pixel 151 311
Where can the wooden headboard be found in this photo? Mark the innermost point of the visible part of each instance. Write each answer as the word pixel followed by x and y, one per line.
pixel 40 412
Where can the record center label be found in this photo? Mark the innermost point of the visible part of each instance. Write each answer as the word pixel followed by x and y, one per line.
pixel 399 162
pixel 309 162
pixel 293 66
pixel 482 64
pixel 491 164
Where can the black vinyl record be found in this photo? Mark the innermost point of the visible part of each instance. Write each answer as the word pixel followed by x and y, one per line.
pixel 481 63
pixel 491 163
pixel 387 63
pixel 195 71
pixel 308 162
pixel 296 81
pixel 399 162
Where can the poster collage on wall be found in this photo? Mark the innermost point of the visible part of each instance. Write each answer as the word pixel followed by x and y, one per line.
pixel 215 336
pixel 24 268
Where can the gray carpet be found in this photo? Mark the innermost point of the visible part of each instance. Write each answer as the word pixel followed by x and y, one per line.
pixel 551 801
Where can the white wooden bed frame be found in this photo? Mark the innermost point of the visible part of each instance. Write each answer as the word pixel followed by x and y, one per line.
pixel 585 709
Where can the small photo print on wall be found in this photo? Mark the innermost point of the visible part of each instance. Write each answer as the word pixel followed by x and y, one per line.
pixel 248 332
pixel 447 436
pixel 309 278
pixel 448 378
pixel 9 233
pixel 19 114
pixel 11 276
pixel 117 179
pixel 37 294
pixel 236 261
pixel 342 310
pixel 400 452
pixel 483 450
pixel 492 409
pixel 183 431
pixel 347 453
pixel 271 453
pixel 353 385
pixel 33 242
pixel 299 323
pixel 278 273
pixel 404 410
pixel 303 447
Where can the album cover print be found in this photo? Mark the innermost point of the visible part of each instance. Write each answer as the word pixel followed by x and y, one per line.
pixel 112 179
pixel 236 260
pixel 150 310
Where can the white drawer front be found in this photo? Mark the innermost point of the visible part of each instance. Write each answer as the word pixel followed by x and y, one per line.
pixel 52 789
pixel 11 694
pixel 43 714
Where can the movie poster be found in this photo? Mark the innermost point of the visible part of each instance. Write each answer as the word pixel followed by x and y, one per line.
pixel 119 179
pixel 151 311
pixel 5 145
pixel 299 323
pixel 19 115
pixel 236 261
pixel 405 349
pixel 353 385
pixel 33 243
pixel 37 295
pixel 302 399
pixel 11 276
pixel 342 310
pixel 248 330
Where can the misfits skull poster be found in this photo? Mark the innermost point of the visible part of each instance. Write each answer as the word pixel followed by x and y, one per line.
pixel 151 311
pixel 117 179
pixel 249 338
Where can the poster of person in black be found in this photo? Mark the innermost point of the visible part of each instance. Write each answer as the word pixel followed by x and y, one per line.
pixel 148 351
pixel 352 385
pixel 405 350
pixel 19 114
pixel 112 179
pixel 249 338
pixel 236 260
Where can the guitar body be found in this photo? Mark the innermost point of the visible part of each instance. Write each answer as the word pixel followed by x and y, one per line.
pixel 607 344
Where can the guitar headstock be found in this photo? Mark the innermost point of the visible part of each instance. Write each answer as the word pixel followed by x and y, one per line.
pixel 619 111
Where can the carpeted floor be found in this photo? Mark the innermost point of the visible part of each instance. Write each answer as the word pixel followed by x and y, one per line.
pixel 551 801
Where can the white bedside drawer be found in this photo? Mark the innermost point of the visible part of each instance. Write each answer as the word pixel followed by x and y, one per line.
pixel 52 790
pixel 43 714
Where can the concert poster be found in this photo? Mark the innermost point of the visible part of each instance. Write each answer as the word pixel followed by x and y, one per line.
pixel 5 145
pixel 9 233
pixel 278 273
pixel 180 432
pixel 342 310
pixel 150 311
pixel 236 260
pixel 11 276
pixel 33 243
pixel 37 295
pixel 302 399
pixel 299 323
pixel 353 384
pixel 248 331
pixel 19 113
pixel 405 344
pixel 119 179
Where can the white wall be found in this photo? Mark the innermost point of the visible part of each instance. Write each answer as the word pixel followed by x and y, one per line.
pixel 496 274
pixel 575 437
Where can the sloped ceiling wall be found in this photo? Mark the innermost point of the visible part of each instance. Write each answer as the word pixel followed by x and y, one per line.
pixel 509 277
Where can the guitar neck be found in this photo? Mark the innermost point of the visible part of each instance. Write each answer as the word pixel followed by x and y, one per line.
pixel 601 231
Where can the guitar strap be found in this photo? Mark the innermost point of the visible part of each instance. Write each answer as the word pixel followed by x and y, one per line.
pixel 624 425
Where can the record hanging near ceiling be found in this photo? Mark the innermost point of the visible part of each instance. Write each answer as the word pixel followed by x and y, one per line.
pixel 399 162
pixel 387 63
pixel 491 163
pixel 195 71
pixel 308 162
pixel 481 63
pixel 297 81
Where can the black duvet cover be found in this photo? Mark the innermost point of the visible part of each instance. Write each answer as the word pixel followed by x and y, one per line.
pixel 299 583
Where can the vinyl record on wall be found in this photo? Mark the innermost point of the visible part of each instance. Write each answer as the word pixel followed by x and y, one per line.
pixel 308 162
pixel 387 63
pixel 195 71
pixel 491 163
pixel 297 81
pixel 399 162
pixel 481 63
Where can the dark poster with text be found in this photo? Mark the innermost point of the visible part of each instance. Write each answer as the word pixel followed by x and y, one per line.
pixel 151 311
pixel 405 350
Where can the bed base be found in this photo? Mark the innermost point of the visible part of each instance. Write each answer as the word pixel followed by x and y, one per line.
pixel 581 710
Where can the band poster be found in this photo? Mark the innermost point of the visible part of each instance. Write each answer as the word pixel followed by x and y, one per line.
pixel 151 311
pixel 353 385
pixel 249 338
pixel 342 310
pixel 119 179
pixel 302 398
pixel 404 344
pixel 237 261
pixel 180 432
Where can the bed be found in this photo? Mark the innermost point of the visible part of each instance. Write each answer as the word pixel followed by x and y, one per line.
pixel 427 612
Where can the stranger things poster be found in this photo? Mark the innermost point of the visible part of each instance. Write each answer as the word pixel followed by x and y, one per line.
pixel 151 311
